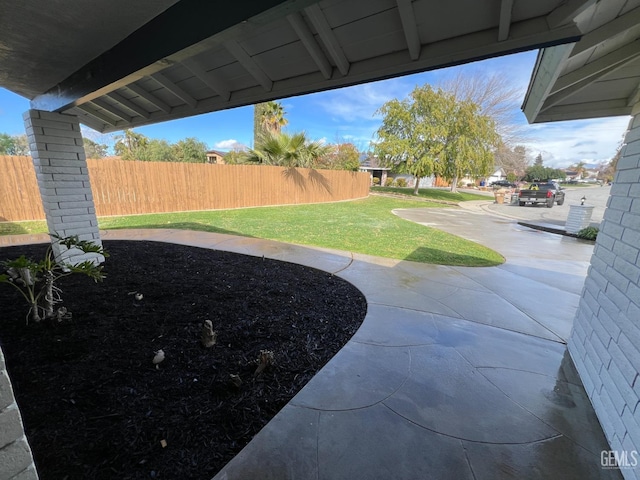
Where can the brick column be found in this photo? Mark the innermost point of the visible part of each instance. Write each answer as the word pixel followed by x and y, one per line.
pixel 605 341
pixel 16 462
pixel 61 168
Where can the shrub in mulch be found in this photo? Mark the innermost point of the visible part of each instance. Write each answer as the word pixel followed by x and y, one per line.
pixel 96 406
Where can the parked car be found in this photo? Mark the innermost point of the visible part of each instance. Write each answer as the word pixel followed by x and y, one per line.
pixel 502 183
pixel 546 193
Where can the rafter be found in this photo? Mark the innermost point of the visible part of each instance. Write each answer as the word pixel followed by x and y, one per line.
pixel 319 21
pixel 310 43
pixel 567 11
pixel 149 97
pixel 115 96
pixel 207 78
pixel 608 30
pixel 175 89
pixel 86 108
pixel 616 58
pixel 410 28
pixel 113 110
pixel 506 7
pixel 84 118
pixel 249 64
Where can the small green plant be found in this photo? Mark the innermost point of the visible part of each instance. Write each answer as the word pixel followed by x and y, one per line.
pixel 401 182
pixel 388 182
pixel 35 280
pixel 588 233
pixel 376 180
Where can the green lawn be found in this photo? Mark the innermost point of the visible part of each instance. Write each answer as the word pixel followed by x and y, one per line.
pixel 363 226
pixel 433 194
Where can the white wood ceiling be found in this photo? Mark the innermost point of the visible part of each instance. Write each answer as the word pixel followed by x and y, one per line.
pixel 296 47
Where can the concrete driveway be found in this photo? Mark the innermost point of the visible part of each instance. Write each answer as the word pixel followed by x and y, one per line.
pixel 596 196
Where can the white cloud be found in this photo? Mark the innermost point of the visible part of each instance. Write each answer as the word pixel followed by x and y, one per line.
pixel 230 144
pixel 564 143
pixel 361 101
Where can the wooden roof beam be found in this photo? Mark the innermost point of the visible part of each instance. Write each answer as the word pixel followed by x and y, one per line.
pixel 207 78
pixel 113 110
pixel 86 107
pixel 149 97
pixel 506 8
pixel 249 64
pixel 320 23
pixel 115 96
pixel 175 89
pixel 410 28
pixel 567 11
pixel 310 43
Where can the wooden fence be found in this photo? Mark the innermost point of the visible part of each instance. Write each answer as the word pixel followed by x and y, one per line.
pixel 128 187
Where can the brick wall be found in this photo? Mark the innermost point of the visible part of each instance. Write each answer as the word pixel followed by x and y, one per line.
pixel 605 342
pixel 16 462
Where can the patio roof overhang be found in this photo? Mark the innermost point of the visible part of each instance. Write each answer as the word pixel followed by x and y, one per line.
pixel 118 64
pixel 598 76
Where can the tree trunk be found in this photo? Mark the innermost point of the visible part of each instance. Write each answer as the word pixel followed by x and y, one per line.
pixel 417 186
pixel 454 184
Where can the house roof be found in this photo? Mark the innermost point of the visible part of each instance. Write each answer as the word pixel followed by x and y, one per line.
pixel 216 152
pixel 597 76
pixel 168 59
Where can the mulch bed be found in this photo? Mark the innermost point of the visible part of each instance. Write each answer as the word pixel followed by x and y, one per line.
pixel 95 406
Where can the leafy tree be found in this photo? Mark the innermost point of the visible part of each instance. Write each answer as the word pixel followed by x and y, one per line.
pixel 538 162
pixel 156 150
pixel 130 145
pixel 94 149
pixel 267 117
pixel 410 137
pixel 6 143
pixel 190 150
pixel 14 145
pixel 286 150
pixel 539 172
pixel 432 132
pixel 342 156
pixel 469 144
pixel 234 157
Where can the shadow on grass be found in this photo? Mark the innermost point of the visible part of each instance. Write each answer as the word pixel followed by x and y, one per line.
pixel 440 257
pixel 200 227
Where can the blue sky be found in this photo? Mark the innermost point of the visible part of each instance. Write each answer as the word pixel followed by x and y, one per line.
pixel 348 114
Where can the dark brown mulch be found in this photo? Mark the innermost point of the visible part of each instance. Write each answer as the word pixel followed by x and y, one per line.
pixel 95 407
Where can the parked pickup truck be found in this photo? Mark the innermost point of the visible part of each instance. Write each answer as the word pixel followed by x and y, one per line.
pixel 547 193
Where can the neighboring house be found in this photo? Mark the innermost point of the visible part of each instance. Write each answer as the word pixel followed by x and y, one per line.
pixel 571 175
pixel 375 170
pixel 498 174
pixel 215 156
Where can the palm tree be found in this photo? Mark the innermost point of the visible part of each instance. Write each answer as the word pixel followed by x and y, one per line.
pixel 284 150
pixel 267 117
